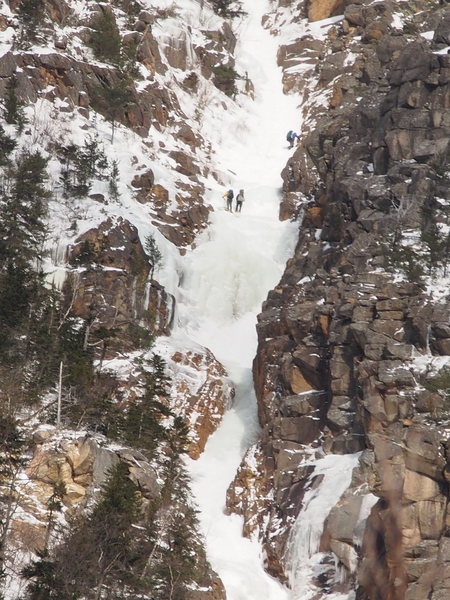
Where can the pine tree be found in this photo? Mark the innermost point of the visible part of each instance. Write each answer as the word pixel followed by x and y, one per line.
pixel 227 9
pixel 68 155
pixel 23 211
pixel 96 556
pixel 7 145
pixel 154 253
pixel 28 308
pixel 78 357
pixel 109 531
pixel 54 505
pixel 177 559
pixel 113 516
pixel 81 165
pixel 30 14
pixel 12 449
pixel 22 232
pixel 112 98
pixel 432 237
pixel 105 38
pixel 143 426
pixel 44 581
pixel 14 114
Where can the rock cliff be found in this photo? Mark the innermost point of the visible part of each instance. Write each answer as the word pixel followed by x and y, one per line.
pixel 354 340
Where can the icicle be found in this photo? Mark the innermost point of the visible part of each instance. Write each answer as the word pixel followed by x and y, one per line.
pixel 428 340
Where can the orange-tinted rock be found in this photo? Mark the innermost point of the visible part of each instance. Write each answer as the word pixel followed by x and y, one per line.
pixel 322 9
pixel 201 392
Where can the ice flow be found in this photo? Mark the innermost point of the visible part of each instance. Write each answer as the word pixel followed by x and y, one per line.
pixel 226 278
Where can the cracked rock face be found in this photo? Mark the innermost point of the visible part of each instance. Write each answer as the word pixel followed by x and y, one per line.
pixel 108 262
pixel 344 336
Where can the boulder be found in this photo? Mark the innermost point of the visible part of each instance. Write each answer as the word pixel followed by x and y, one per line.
pixel 322 9
pixel 441 33
pixel 110 291
pixel 418 487
pixel 144 180
pixel 415 62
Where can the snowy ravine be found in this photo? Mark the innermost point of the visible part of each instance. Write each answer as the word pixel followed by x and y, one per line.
pixel 240 258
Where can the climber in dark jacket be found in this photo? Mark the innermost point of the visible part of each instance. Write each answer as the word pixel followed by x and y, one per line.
pixel 239 200
pixel 229 195
pixel 291 137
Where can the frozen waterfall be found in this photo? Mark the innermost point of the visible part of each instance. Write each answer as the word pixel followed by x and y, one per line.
pixel 225 279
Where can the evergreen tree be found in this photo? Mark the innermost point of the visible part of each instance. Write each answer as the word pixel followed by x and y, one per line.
pixel 105 39
pixel 68 155
pixel 14 114
pixel 179 436
pixel 104 543
pixel 54 505
pixel 30 14
pixel 112 99
pixel 154 253
pixel 434 240
pixel 227 9
pixel 23 212
pixel 143 427
pixel 81 165
pixel 113 516
pixel 29 344
pixel 44 580
pixel 97 553
pixel 12 449
pixel 176 568
pixel 22 231
pixel 78 358
pixel 176 558
pixel 91 160
pixel 7 145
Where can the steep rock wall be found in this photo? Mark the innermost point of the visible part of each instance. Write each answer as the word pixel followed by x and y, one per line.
pixel 343 339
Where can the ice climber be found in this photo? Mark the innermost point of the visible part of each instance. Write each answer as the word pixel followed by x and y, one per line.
pixel 291 137
pixel 229 195
pixel 239 200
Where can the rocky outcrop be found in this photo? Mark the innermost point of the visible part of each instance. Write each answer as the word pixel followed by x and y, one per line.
pixel 79 465
pixel 201 393
pixel 323 9
pixel 343 339
pixel 108 287
pixel 181 225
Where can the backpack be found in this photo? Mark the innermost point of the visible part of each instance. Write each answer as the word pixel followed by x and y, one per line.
pixel 230 195
pixel 290 135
